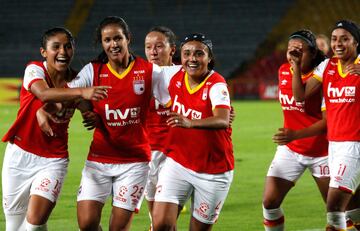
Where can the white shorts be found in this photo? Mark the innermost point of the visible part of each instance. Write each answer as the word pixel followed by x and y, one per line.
pixel 26 174
pixel 126 183
pixel 156 163
pixel 344 162
pixel 290 165
pixel 208 191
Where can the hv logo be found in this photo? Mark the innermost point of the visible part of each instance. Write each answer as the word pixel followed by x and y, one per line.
pixel 335 92
pixel 180 108
pixel 116 114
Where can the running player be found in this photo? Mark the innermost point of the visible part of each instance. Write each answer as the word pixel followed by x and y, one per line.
pixel 35 164
pixel 340 84
pixel 200 160
pixel 302 141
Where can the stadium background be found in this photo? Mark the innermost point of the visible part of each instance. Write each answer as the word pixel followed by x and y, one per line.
pixel 249 39
pixel 249 36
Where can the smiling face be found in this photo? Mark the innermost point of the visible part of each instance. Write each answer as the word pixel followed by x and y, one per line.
pixel 115 44
pixel 195 59
pixel 158 49
pixel 58 52
pixel 343 44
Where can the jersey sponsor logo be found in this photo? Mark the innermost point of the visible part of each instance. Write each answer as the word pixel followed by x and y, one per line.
pixel 139 86
pixel 116 114
pixel 284 82
pixel 104 75
pixel 285 73
pixel 288 103
pixel 203 208
pixel 180 108
pixel 137 72
pixel 121 194
pixel 337 95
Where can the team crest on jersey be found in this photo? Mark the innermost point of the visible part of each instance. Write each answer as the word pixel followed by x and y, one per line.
pixel 139 86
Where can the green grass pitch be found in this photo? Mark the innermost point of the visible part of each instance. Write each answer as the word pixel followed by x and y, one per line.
pixel 255 123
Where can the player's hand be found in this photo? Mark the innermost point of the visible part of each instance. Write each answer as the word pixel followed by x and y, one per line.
pixel 43 117
pixel 95 93
pixel 177 120
pixel 232 116
pixel 352 69
pixel 90 119
pixel 283 136
pixel 295 52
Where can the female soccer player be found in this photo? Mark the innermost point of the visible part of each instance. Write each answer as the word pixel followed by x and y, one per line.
pixel 35 164
pixel 117 162
pixel 200 160
pixel 340 83
pixel 301 149
pixel 160 46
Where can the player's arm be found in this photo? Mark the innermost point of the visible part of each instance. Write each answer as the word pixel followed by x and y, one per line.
pixel 90 118
pixel 301 91
pixel 41 90
pixel 219 120
pixel 286 135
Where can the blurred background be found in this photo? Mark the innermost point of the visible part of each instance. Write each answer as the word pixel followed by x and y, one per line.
pixel 249 37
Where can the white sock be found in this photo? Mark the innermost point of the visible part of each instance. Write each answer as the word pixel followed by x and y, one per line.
pixel 31 227
pixel 273 219
pixel 337 220
pixel 15 222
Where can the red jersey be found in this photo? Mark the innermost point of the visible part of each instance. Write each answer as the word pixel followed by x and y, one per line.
pixel 202 150
pixel 25 132
pixel 122 138
pixel 342 101
pixel 156 125
pixel 301 115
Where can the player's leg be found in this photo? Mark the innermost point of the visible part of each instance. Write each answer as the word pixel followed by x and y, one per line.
pixel 89 215
pixel 352 213
pixel 95 187
pixel 16 185
pixel 210 192
pixel 319 169
pixel 129 182
pixel 173 190
pixel 45 190
pixel 283 172
pixel 344 163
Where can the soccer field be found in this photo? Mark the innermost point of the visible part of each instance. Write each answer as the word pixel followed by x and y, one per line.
pixel 255 123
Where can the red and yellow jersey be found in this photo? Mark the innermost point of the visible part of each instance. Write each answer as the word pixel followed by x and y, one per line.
pixel 202 150
pixel 341 100
pixel 299 115
pixel 122 138
pixel 25 132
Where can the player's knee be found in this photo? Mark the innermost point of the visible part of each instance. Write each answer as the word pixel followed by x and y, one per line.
pixel 161 223
pixel 86 224
pixel 271 203
pixel 32 227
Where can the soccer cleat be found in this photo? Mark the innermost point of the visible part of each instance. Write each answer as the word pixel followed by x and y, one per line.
pixel 332 228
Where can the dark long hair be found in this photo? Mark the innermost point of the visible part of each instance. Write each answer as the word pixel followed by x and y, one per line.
pixel 102 57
